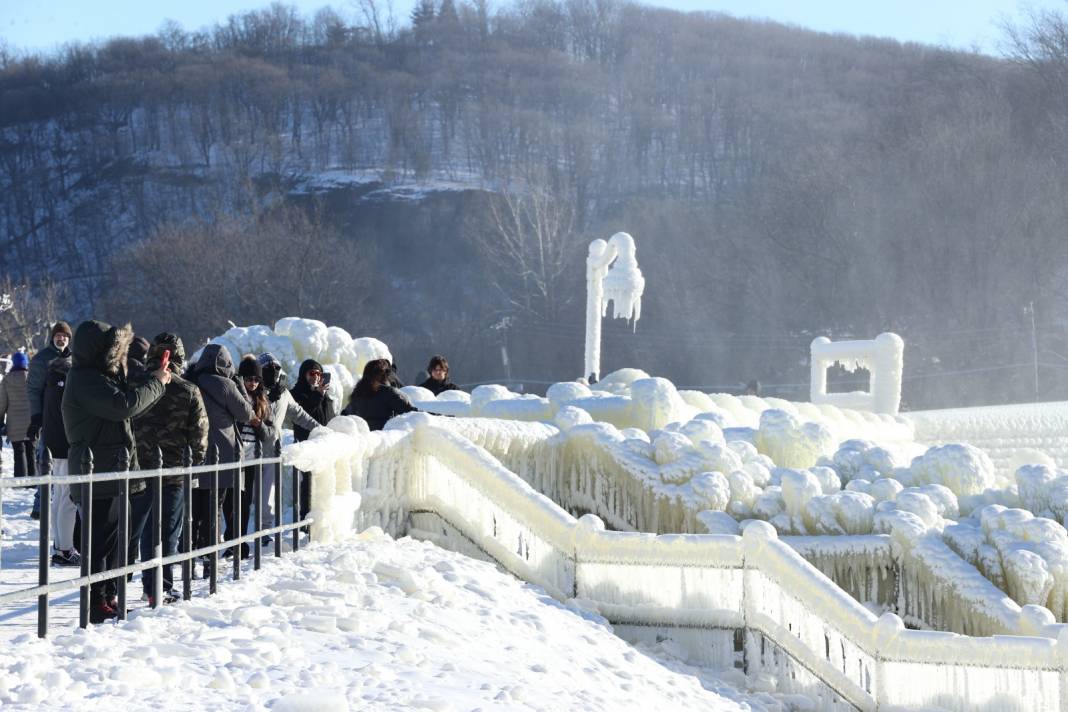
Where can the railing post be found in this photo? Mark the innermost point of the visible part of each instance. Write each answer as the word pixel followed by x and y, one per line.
pixel 296 507
pixel 257 497
pixel 87 538
pixel 157 530
pixel 187 525
pixel 213 525
pixel 278 471
pixel 124 537
pixel 235 525
pixel 43 558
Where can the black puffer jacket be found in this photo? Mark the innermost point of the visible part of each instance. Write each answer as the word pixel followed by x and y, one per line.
pixel 227 407
pixel 380 406
pixel 98 404
pixel 318 405
pixel 55 437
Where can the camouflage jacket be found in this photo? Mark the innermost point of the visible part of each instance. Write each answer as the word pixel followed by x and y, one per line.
pixel 176 422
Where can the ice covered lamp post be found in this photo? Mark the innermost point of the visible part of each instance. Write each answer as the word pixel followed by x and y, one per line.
pixel 620 283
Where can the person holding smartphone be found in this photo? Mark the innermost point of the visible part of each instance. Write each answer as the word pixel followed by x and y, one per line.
pixel 312 393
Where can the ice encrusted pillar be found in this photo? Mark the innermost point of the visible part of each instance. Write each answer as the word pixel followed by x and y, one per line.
pixel 621 283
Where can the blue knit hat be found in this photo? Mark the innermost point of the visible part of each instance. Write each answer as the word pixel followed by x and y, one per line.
pixel 19 361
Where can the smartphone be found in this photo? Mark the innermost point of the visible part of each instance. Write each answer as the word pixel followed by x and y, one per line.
pixel 326 378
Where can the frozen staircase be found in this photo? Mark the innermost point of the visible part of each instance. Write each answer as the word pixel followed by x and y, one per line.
pixel 750 601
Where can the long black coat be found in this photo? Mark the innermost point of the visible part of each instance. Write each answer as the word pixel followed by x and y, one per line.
pixel 98 404
pixel 227 405
pixel 52 431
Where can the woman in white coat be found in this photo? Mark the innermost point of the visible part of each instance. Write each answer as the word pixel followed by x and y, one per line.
pixel 285 413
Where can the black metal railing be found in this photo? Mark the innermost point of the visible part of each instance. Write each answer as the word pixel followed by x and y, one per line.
pixel 186 555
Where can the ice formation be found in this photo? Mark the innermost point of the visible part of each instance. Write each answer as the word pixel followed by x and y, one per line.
pixel 643 455
pixel 294 339
pixel 882 357
pixel 621 284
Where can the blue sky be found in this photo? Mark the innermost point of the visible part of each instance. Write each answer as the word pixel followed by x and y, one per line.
pixel 44 24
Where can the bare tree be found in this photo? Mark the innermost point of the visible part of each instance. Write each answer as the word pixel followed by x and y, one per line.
pixel 531 242
pixel 193 277
pixel 27 310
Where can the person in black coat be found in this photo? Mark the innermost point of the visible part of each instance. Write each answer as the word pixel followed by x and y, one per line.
pixel 311 393
pixel 97 406
pixel 374 399
pixel 439 381
pixel 64 511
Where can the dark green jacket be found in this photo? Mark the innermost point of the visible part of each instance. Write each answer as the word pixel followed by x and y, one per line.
pixel 98 404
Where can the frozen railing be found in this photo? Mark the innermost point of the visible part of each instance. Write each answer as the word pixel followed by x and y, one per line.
pixel 751 596
pixel 1010 434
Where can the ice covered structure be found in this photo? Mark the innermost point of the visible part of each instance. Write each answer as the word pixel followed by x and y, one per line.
pixel 294 339
pixel 621 284
pixel 709 593
pixel 1010 435
pixel 882 357
pixel 644 456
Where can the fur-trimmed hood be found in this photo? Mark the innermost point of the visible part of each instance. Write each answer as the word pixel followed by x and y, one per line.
pixel 101 346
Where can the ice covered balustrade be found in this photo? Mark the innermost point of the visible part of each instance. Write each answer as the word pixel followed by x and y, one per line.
pixel 1011 435
pixel 748 600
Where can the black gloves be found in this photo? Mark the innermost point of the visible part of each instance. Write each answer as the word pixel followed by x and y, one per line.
pixel 35 427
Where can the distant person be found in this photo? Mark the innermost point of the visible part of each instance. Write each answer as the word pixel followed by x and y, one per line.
pixel 177 422
pixel 15 412
pixel 227 406
pixel 98 404
pixel 438 382
pixel 58 345
pixel 374 399
pixel 312 393
pixel 285 413
pixel 64 512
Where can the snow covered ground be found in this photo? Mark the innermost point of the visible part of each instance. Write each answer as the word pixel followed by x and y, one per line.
pixel 370 623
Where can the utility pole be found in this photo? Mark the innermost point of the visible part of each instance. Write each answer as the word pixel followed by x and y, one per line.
pixel 1034 343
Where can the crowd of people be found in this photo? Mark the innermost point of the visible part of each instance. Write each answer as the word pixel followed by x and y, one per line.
pixel 103 400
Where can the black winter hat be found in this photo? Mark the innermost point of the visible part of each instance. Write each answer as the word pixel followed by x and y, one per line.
pixel 250 367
